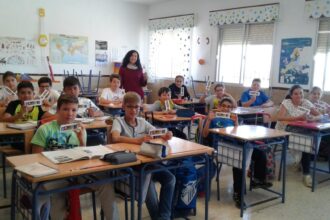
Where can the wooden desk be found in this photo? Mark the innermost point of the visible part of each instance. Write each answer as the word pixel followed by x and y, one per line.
pixel 247 110
pixel 97 124
pixel 171 121
pixel 306 137
pixel 178 149
pixel 111 105
pixel 246 136
pixel 28 134
pixel 67 170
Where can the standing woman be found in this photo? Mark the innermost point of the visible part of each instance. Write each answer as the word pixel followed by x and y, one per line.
pixel 131 73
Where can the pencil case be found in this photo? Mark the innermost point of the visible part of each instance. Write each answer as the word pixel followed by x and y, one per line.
pixel 120 157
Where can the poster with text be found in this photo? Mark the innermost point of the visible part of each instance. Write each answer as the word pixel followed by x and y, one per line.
pixel 295 61
pixel 101 53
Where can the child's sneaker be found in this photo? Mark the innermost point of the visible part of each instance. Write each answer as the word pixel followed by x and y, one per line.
pixel 307 180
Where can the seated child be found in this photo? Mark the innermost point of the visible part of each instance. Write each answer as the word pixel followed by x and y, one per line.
pixel 290 111
pixel 17 112
pixel 213 101
pixel 159 107
pixel 6 96
pixel 48 137
pixel 176 88
pixel 134 130
pixel 315 96
pixel 45 83
pixel 86 108
pixel 226 104
pixel 113 94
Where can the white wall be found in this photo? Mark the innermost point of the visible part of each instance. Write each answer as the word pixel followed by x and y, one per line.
pixel 292 23
pixel 123 25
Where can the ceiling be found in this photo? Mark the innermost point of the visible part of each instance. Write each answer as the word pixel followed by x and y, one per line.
pixel 146 2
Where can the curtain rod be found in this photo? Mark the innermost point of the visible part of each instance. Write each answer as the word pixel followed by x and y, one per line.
pixel 170 17
pixel 245 7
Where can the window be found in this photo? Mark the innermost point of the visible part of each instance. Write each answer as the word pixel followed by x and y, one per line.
pixel 170 51
pixel 245 53
pixel 322 57
pixel 170 45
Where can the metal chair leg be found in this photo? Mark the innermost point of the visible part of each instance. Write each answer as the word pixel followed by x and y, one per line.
pixel 94 205
pixel 4 175
pixel 126 208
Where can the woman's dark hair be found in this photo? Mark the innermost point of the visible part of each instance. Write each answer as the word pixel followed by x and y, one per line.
pixel 294 87
pixel 66 99
pixel 162 90
pixel 128 56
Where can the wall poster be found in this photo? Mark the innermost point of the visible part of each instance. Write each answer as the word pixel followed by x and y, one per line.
pixel 295 61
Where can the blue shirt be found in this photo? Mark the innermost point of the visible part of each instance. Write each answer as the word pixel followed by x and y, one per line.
pixel 261 99
pixel 218 123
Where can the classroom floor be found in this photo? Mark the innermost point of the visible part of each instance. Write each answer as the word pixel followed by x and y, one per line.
pixel 300 203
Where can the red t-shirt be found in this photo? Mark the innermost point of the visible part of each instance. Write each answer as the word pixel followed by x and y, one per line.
pixel 132 80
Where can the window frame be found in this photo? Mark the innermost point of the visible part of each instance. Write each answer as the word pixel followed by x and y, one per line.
pixel 243 54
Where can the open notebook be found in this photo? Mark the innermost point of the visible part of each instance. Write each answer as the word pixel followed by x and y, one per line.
pixel 77 153
pixel 23 126
pixel 36 169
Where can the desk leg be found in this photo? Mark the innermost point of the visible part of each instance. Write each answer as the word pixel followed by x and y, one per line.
pixel 243 178
pixel 35 211
pixel 27 139
pixel 141 178
pixel 284 147
pixel 207 186
pixel 315 145
pixel 132 187
pixel 13 196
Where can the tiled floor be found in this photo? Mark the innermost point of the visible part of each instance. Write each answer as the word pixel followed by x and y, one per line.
pixel 300 203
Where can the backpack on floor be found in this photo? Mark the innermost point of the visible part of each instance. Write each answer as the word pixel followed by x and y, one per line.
pixel 185 194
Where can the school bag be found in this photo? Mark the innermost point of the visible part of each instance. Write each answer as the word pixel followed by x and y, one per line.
pixel 185 194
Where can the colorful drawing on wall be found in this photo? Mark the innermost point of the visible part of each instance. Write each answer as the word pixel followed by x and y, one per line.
pixel 64 49
pixel 101 53
pixel 18 51
pixel 295 61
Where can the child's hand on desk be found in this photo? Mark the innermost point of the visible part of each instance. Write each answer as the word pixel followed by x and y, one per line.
pixel 145 138
pixel 301 117
pixel 167 136
pixel 172 112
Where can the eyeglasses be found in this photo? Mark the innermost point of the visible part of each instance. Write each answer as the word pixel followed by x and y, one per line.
pixel 132 106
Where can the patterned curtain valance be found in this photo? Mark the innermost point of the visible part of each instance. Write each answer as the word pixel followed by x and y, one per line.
pixel 171 22
pixel 255 14
pixel 318 8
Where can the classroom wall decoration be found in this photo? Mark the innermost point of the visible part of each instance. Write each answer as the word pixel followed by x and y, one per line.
pixel 101 53
pixel 18 51
pixel 295 61
pixel 65 49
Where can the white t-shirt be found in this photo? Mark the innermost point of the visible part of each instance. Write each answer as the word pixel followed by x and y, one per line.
pixel 110 95
pixel 5 95
pixel 293 111
pixel 53 95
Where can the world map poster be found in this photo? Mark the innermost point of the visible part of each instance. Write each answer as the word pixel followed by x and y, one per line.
pixel 65 49
pixel 295 61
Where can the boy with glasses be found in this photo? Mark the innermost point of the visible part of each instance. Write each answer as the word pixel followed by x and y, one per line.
pixel 135 130
pixel 213 101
